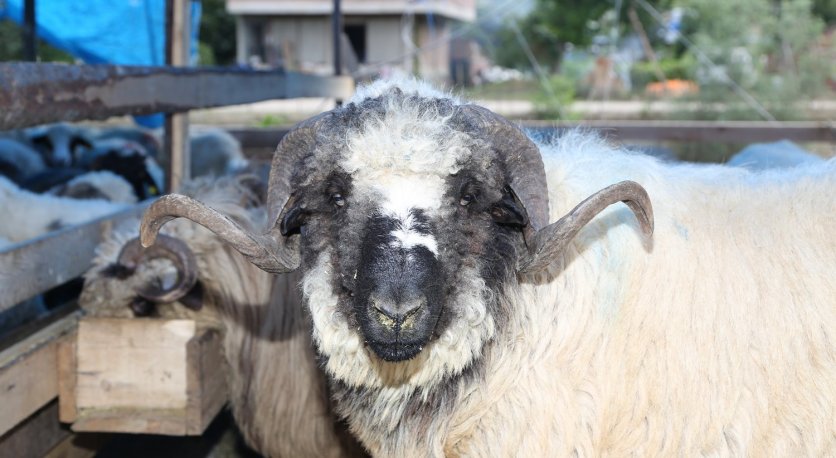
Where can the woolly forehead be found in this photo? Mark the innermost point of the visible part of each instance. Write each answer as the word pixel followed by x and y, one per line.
pixel 405 155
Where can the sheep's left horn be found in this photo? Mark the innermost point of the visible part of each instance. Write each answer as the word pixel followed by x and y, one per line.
pixel 133 254
pixel 552 240
pixel 262 250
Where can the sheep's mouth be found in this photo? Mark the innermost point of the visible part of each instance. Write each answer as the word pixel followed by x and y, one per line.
pixel 396 351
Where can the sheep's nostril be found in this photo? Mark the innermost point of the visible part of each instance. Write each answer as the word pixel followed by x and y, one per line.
pixel 393 314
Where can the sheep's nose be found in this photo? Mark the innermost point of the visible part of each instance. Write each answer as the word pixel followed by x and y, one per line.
pixel 397 314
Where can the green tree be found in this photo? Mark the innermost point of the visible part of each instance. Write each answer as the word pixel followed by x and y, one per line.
pixel 553 24
pixel 762 48
pixel 826 10
pixel 11 46
pixel 217 34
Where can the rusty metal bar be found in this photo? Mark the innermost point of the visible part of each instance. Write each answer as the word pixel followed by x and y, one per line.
pixel 33 94
pixel 32 267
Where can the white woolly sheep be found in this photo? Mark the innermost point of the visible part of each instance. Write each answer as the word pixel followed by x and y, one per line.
pixel 452 320
pixel 212 152
pixel 27 215
pixel 103 185
pixel 765 156
pixel 267 340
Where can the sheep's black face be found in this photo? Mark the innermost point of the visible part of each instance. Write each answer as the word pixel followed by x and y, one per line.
pixel 408 233
pixel 398 294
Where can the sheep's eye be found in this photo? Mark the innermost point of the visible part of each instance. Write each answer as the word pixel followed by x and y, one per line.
pixel 466 199
pixel 338 200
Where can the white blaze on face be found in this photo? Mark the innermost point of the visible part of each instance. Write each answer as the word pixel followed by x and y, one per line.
pixel 400 195
pixel 400 161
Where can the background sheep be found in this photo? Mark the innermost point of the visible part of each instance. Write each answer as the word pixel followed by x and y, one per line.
pixel 103 185
pixel 714 338
pixel 59 143
pixel 215 152
pixel 765 156
pixel 18 161
pixel 128 159
pixel 27 215
pixel 278 394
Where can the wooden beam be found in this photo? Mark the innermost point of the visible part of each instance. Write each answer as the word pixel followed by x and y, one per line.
pixel 33 94
pixel 700 131
pixel 147 376
pixel 32 267
pixel 28 372
pixel 36 435
pixel 66 367
pixel 677 131
pixel 176 144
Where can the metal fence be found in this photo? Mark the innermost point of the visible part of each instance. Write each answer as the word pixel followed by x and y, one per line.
pixel 37 93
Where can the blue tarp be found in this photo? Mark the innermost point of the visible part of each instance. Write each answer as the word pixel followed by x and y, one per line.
pixel 123 32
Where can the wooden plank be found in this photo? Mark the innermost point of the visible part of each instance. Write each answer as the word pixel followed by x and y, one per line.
pixel 125 363
pixel 32 267
pixel 259 137
pixel 206 394
pixel 36 435
pixel 176 144
pixel 28 375
pixel 677 131
pixel 148 376
pixel 700 131
pixel 33 94
pixel 67 366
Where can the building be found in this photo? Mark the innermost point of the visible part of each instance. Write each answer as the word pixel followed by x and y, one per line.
pixel 379 36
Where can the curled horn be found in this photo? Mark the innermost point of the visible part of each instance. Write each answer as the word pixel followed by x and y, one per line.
pixel 269 251
pixel 133 254
pixel 527 178
pixel 552 240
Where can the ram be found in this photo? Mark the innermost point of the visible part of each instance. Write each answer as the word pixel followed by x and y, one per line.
pixel 451 318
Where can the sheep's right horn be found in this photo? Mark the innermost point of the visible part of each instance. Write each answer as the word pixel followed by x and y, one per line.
pixel 133 254
pixel 552 239
pixel 262 250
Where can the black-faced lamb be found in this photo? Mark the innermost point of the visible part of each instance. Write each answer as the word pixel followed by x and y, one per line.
pixel 451 319
pixel 60 143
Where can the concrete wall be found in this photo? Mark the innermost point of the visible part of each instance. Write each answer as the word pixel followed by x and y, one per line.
pixel 304 43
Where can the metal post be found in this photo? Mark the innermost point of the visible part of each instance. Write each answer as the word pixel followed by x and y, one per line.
pixel 176 148
pixel 337 31
pixel 30 33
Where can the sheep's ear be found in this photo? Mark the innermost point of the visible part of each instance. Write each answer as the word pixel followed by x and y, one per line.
pixel 509 210
pixel 293 216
